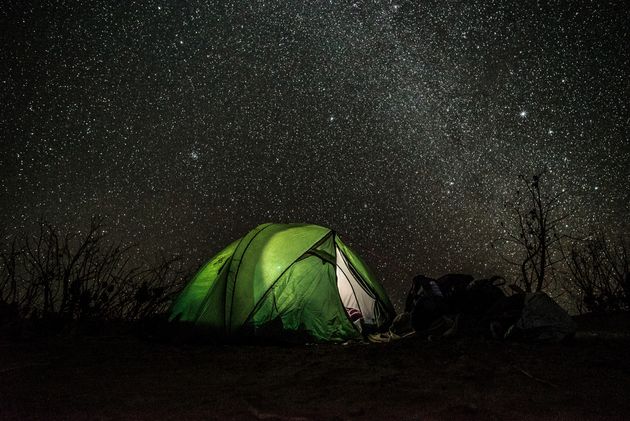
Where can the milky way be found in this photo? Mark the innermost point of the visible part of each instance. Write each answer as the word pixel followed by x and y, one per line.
pixel 403 126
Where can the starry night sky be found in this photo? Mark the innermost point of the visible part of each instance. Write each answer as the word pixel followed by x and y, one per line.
pixel 402 125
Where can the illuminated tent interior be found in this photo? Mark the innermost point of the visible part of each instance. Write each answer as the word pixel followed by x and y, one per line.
pixel 284 280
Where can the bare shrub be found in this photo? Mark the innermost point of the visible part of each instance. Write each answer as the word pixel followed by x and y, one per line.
pixel 598 275
pixel 49 275
pixel 533 233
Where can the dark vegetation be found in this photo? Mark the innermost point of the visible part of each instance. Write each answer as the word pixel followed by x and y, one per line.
pixel 53 280
pixel 598 274
pixel 592 269
pixel 535 233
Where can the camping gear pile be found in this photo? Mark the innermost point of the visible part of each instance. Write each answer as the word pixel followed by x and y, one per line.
pixel 438 307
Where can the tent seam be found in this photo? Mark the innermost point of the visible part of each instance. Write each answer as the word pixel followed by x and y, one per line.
pixel 228 326
pixel 257 305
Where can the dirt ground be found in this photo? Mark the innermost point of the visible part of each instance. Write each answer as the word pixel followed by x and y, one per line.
pixel 124 377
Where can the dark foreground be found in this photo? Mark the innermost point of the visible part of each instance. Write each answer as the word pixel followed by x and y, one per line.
pixel 114 377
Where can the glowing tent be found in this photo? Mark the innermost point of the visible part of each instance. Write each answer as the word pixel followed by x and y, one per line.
pixel 284 279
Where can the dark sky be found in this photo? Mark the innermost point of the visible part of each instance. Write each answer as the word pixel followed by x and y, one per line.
pixel 402 125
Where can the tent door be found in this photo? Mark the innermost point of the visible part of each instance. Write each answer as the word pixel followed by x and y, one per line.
pixel 353 295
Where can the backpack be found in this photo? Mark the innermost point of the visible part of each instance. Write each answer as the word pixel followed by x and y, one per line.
pixel 479 296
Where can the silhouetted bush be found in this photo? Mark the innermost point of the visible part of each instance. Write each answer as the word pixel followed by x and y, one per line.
pixel 533 233
pixel 55 277
pixel 599 274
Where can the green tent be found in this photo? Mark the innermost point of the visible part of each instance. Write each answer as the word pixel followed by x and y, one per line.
pixel 283 279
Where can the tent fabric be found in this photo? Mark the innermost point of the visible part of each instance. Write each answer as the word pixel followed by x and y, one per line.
pixel 281 278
